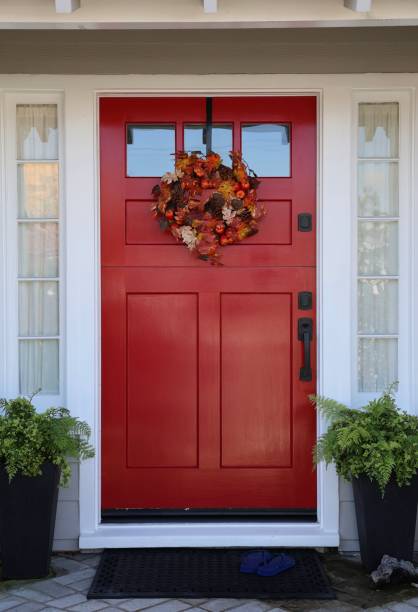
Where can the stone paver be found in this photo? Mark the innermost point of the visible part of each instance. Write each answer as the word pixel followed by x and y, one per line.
pixel 252 606
pixel 30 606
pixel 90 605
pixel 52 588
pixel 76 576
pixel 8 603
pixel 402 607
pixel 172 605
pixel 219 605
pixel 130 605
pixel 70 600
pixel 82 586
pixel 68 590
pixel 93 561
pixel 31 594
pixel 71 565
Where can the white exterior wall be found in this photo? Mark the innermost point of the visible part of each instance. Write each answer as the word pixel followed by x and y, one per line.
pixel 79 506
pixel 67 526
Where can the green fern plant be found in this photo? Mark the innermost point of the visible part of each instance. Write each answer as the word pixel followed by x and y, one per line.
pixel 28 439
pixel 378 440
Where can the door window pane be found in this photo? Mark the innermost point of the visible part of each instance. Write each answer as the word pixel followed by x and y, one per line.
pixel 37 190
pixel 39 366
pixel 38 308
pixel 150 149
pixel 378 306
pixel 37 131
pixel 378 130
pixel 38 250
pixel 377 363
pixel 377 248
pixel 266 148
pixel 221 139
pixel 378 189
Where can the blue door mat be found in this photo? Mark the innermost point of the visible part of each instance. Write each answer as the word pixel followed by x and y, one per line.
pixel 204 572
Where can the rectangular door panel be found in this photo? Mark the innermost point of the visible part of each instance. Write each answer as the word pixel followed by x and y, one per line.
pixel 256 382
pixel 162 358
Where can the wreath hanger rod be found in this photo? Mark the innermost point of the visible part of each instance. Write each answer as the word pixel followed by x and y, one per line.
pixel 207 132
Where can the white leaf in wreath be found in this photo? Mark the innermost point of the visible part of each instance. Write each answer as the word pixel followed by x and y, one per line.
pixel 172 177
pixel 188 235
pixel 228 214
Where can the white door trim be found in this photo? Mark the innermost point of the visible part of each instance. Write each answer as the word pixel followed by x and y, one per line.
pixel 324 532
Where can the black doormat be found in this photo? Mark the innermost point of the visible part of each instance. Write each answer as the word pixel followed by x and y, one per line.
pixel 203 572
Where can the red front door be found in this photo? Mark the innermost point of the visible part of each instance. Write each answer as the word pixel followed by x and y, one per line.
pixel 204 391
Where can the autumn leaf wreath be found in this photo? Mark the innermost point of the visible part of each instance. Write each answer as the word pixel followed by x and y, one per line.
pixel 206 204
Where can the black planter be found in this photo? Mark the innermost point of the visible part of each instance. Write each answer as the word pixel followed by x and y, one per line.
pixel 386 526
pixel 28 507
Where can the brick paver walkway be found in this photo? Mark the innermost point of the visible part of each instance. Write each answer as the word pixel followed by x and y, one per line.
pixel 68 589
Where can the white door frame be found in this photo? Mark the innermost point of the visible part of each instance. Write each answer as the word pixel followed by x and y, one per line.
pixel 82 274
pixel 324 532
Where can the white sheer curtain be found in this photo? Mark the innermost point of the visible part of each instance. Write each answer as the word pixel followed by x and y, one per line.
pixel 37 190
pixel 38 250
pixel 38 247
pixel 38 308
pixel 378 363
pixel 39 366
pixel 37 131
pixel 378 130
pixel 378 245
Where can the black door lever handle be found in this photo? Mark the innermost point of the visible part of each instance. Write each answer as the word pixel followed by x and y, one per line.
pixel 305 327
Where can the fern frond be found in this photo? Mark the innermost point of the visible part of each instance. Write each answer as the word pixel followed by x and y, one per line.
pixel 329 408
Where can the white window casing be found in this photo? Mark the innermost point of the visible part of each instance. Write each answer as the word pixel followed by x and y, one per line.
pixel 34 279
pixel 386 322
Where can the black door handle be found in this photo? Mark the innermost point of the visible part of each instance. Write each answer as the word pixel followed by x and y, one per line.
pixel 305 327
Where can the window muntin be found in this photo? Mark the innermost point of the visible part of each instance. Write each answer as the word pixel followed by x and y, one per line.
pixel 378 264
pixel 38 269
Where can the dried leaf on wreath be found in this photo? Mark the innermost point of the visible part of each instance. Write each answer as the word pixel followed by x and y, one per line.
pixel 156 191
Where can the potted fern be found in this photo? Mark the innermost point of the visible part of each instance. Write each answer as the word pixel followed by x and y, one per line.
pixel 34 452
pixel 376 448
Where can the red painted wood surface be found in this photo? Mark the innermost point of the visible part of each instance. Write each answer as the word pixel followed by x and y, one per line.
pixel 202 406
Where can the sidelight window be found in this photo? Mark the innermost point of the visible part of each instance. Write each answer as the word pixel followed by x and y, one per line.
pixel 38 248
pixel 378 245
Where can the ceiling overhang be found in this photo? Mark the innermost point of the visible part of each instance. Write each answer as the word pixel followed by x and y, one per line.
pixel 205 14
